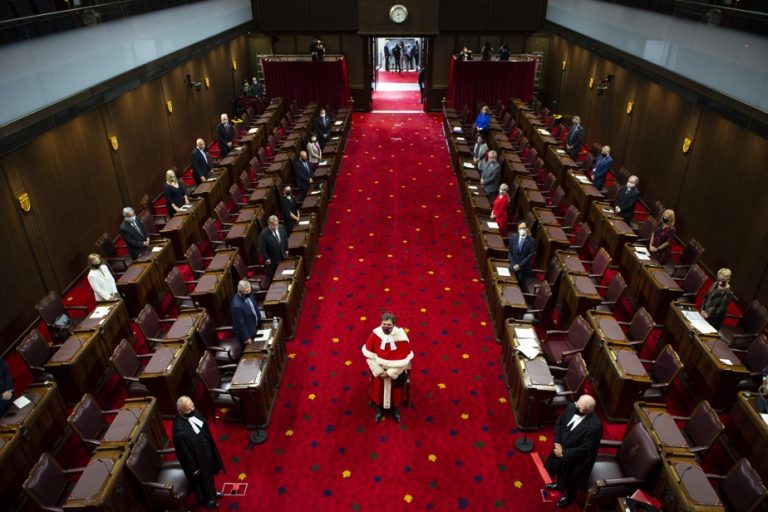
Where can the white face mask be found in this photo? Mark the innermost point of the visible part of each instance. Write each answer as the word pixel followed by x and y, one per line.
pixel 630 185
pixel 521 232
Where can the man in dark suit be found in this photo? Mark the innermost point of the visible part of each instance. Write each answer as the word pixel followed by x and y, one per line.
pixel 522 247
pixel 303 174
pixel 245 313
pixel 387 53
pixel 323 128
pixel 197 452
pixel 627 198
pixel 225 132
pixel 289 210
pixel 574 138
pixel 422 85
pixel 6 387
pixel 201 165
pixel 490 175
pixel 256 89
pixel 577 439
pixel 396 54
pixel 133 232
pixel 602 166
pixel 273 244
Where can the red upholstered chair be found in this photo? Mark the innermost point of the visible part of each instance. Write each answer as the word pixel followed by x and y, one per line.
pixel 237 196
pixel 662 371
pixel 755 358
pixel 48 484
pixel 599 265
pixel 151 326
pixel 558 346
pixel 639 328
pixel 53 312
pixel 162 482
pixel 568 221
pixel 196 260
pixel 217 380
pixel 688 257
pixel 542 302
pixel 751 323
pixel 106 248
pixel 620 474
pixel 213 236
pixel 569 381
pixel 222 215
pixel 581 238
pixel 128 365
pixel 702 427
pixel 613 293
pixel 225 349
pixel 692 284
pixel 179 289
pixel 35 352
pixel 89 422
pixel 741 489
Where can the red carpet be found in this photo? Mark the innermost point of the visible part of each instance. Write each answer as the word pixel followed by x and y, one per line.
pixel 397 100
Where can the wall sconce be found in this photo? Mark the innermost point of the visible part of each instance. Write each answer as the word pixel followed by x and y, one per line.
pixel 169 106
pixel 234 65
pixel 687 141
pixel 24 202
pixel 191 83
pixel 114 142
pixel 563 66
pixel 207 82
pixel 630 106
pixel 591 82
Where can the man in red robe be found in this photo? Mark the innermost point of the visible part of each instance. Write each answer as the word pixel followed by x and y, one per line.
pixel 388 354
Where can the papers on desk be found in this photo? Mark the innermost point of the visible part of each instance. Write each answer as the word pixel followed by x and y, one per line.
pixel 457 129
pixel 699 323
pixel 323 163
pixel 544 131
pixel 607 210
pixel 462 139
pixel 765 417
pixel 529 348
pixel 335 138
pixel 288 272
pixel 263 335
pixel 315 192
pixel 22 402
pixel 525 333
pixel 492 225
pixel 338 123
pixel 252 131
pixel 472 187
pixel 186 207
pixel 560 152
pixel 581 178
pixel 642 253
pixel 468 165
pixel 100 312
pixel 726 361
pixel 157 249
pixel 303 223
pixel 503 271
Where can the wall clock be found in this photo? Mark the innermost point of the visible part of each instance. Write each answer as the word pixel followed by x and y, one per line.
pixel 398 13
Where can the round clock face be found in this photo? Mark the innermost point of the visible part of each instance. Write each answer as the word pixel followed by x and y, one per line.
pixel 398 13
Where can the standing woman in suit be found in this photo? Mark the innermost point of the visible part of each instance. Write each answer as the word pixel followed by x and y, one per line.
pixel 101 280
pixel 483 121
pixel 662 237
pixel 175 193
pixel 480 149
pixel 315 152
pixel 500 207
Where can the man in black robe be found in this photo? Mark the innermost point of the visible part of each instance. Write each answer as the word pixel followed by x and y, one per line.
pixel 196 451
pixel 577 439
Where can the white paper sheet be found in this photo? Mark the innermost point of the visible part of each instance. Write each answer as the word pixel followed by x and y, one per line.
pixel 303 223
pixel 457 129
pixel 765 417
pixel 323 163
pixel 726 361
pixel 338 123
pixel 263 335
pixel 528 351
pixel 503 271
pixel 472 187
pixel 22 402
pixel 467 165
pixel 100 312
pixel 252 131
pixel 492 225
pixel 525 333
pixel 699 323
pixel 288 272
pixel 462 139
pixel 157 249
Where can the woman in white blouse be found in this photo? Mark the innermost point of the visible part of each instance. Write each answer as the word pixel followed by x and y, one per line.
pixel 315 152
pixel 101 280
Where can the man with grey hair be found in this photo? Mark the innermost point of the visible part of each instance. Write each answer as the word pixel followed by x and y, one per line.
pixel 201 165
pixel 245 313
pixel 490 175
pixel 273 244
pixel 133 232
pixel 577 439
pixel 626 199
pixel 225 132
pixel 197 452
pixel 574 138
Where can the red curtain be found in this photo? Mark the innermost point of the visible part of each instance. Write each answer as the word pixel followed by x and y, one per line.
pixel 324 82
pixel 472 82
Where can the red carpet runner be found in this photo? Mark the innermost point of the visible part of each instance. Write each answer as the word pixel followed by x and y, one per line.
pixel 395 239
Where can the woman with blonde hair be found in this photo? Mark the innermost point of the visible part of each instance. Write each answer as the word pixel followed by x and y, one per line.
pixel 101 280
pixel 662 237
pixel 175 193
pixel 717 299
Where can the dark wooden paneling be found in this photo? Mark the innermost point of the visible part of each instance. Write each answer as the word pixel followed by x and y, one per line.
pixel 140 121
pixel 327 15
pixel 373 18
pixel 285 15
pixel 514 14
pixel 457 15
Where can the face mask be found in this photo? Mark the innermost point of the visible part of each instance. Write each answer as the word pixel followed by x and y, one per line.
pixel 96 265
pixel 579 413
pixel 521 232
pixel 322 115
pixel 387 330
pixel 131 219
pixel 314 139
pixel 630 185
pixel 666 219
pixel 189 414
pixel 722 284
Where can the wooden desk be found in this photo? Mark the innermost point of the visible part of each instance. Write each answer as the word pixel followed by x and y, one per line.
pixel 507 302
pixel 570 262
pixel 254 389
pixel 678 331
pixel 110 319
pixel 16 461
pixel 748 432
pixel 169 374
pixel 315 204
pixel 244 236
pixel 496 270
pixel 582 195
pixel 529 121
pixel 709 373
pixel 160 254
pixel 479 203
pixel 301 243
pixel 657 291
pixel 212 190
pixel 542 139
pixel 489 245
pixel 576 295
pixel 607 331
pixel 550 239
pixel 557 161
pixel 530 199
pixel 282 301
pixel 545 216
pixel 616 234
pixel 632 263
pixel 252 214
pixel 79 364
pixel 265 198
pixel 663 429
pixel 139 285
pixel 599 211
pixel 235 162
pixel 683 487
pixel 103 486
pixel 214 291
pixel 530 382
pixel 137 415
pixel 41 423
pixel 274 345
pixel 619 379
pixel 198 211
pixel 180 229
pixel 291 269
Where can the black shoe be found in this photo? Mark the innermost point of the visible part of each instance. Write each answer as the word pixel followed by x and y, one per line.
pixel 396 416
pixel 219 495
pixel 564 501
pixel 379 415
pixel 553 486
pixel 211 504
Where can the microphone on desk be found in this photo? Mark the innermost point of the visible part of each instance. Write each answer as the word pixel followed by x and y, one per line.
pixel 109 468
pixel 680 478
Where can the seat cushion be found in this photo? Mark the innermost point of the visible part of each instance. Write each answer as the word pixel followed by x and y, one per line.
pixel 162 500
pixel 553 350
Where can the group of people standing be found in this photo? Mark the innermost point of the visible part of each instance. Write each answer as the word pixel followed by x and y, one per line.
pixel 403 57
